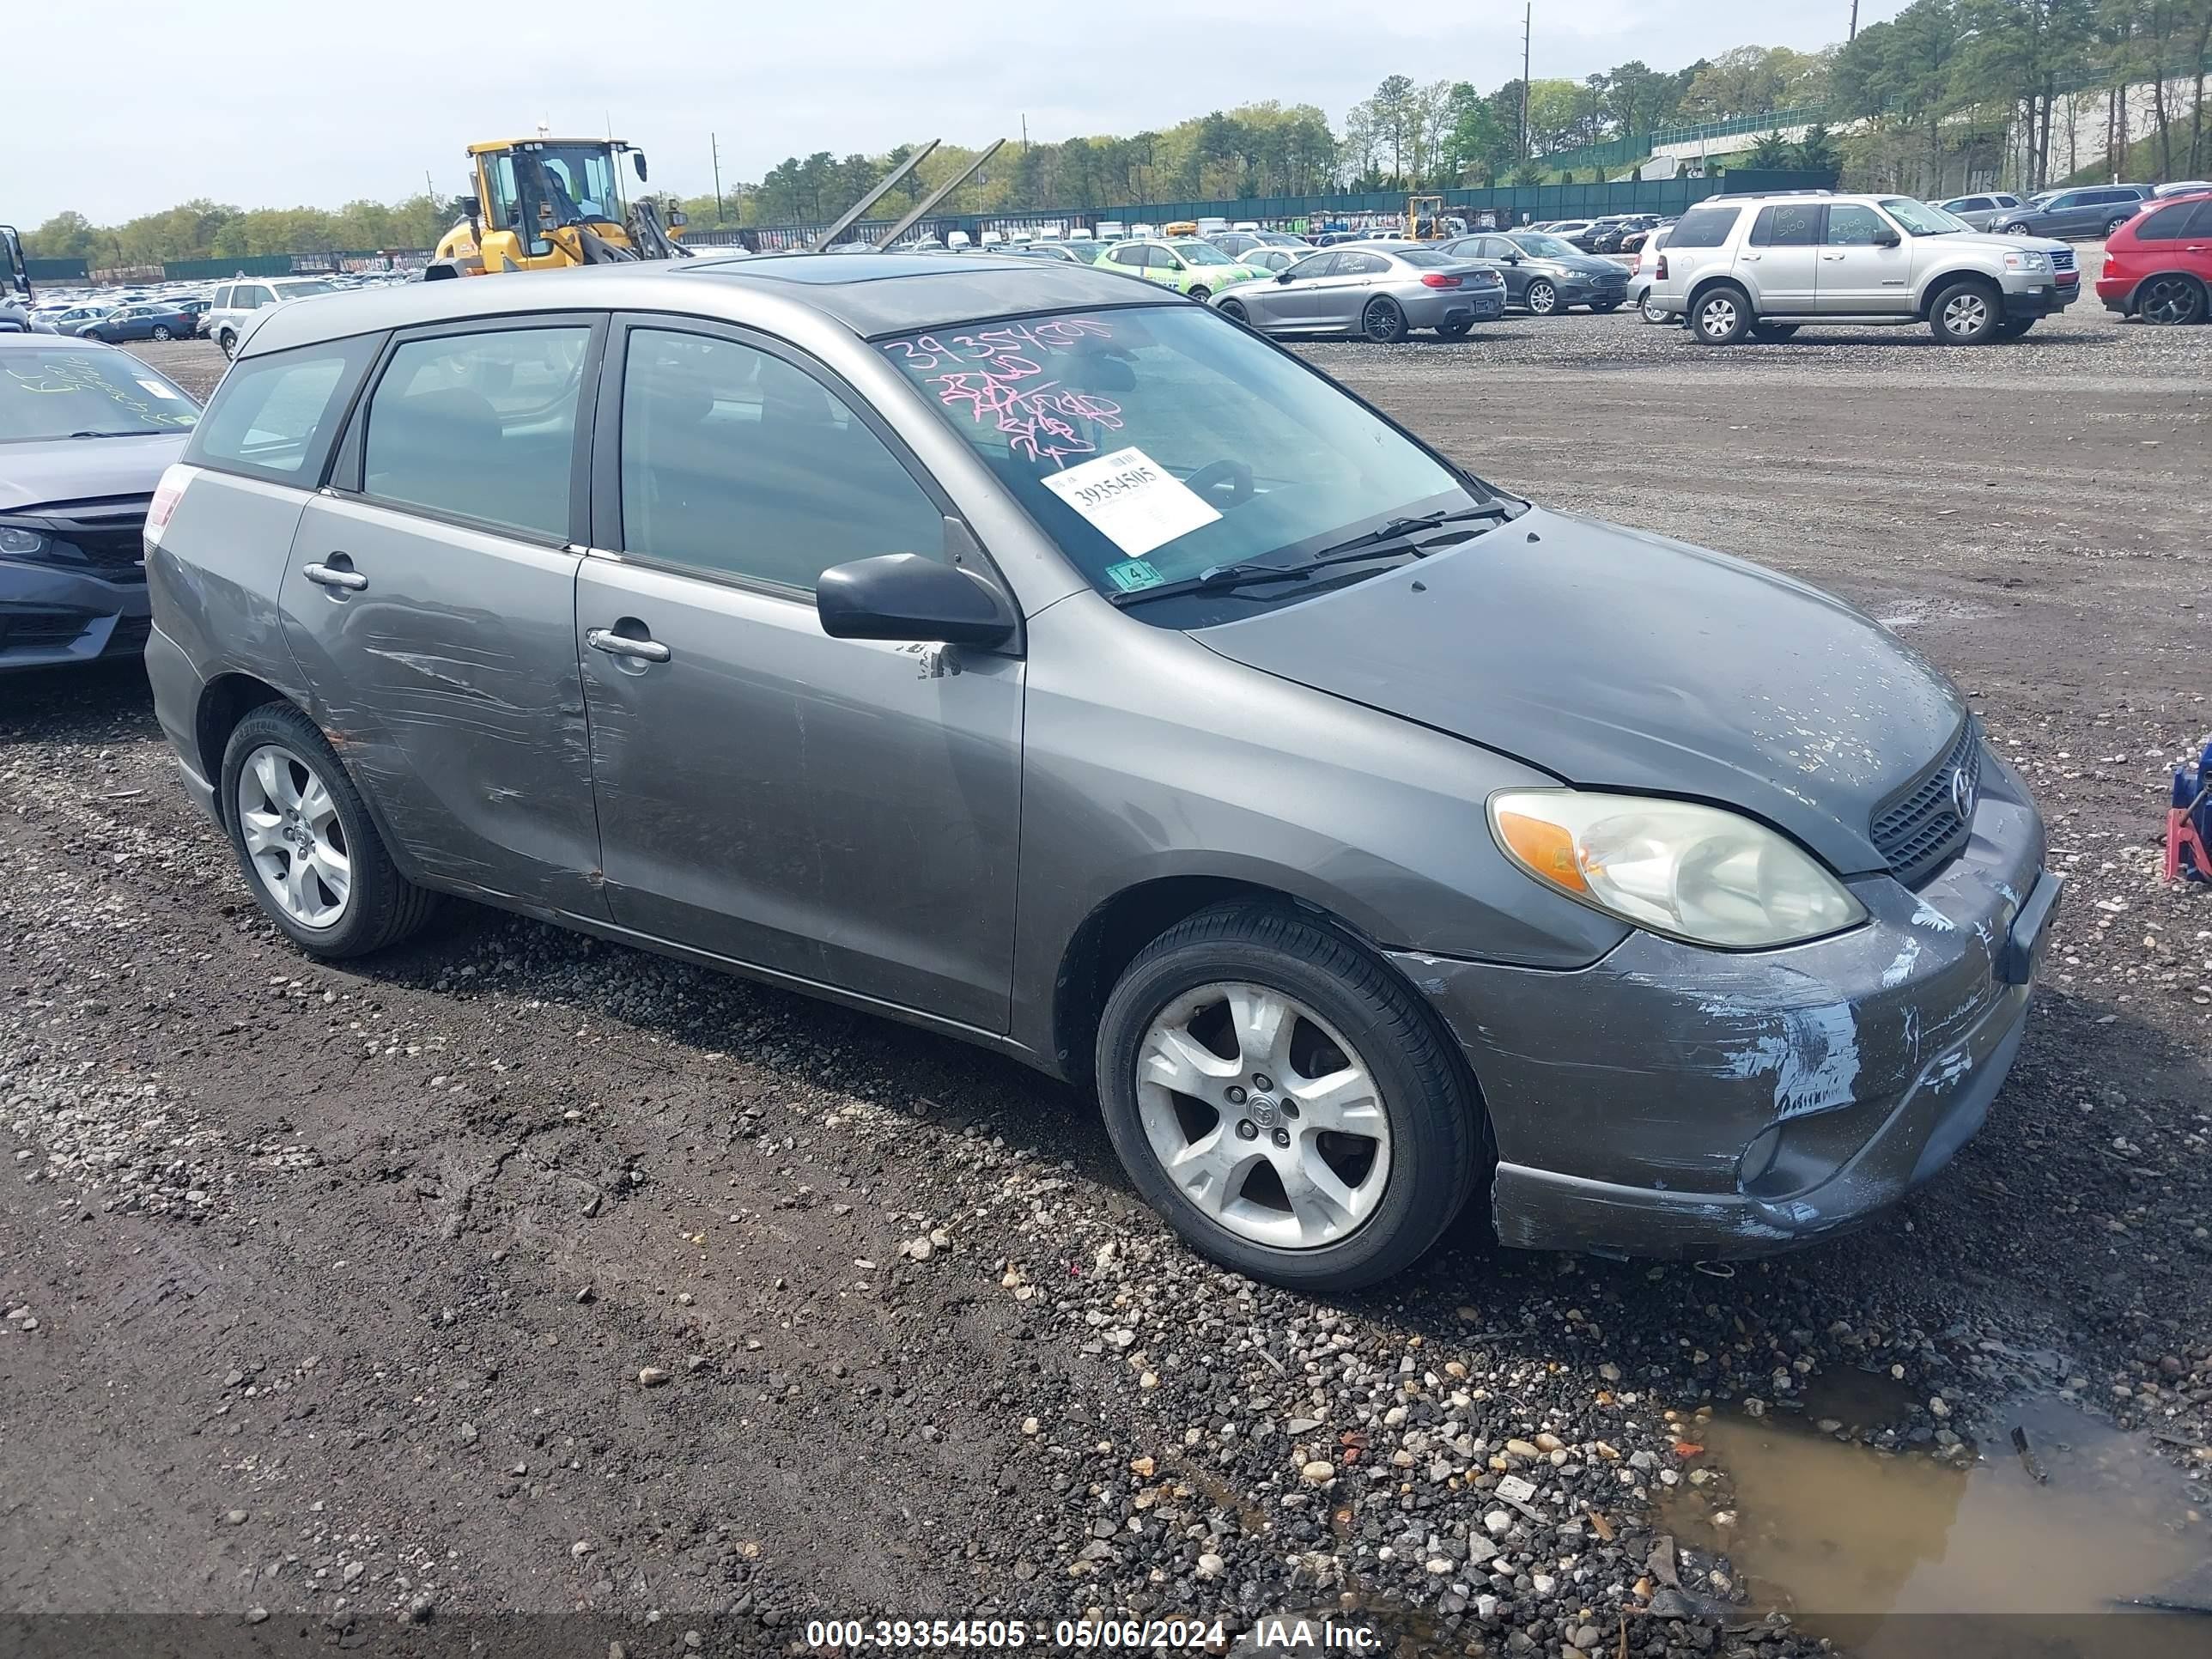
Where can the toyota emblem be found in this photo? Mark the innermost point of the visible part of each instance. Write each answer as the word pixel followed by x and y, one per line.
pixel 1962 795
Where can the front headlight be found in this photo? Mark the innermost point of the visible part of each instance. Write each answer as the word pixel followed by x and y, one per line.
pixel 20 542
pixel 1693 872
pixel 2027 259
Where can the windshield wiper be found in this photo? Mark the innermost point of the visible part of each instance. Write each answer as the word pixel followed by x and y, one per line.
pixel 1374 544
pixel 129 432
pixel 1398 529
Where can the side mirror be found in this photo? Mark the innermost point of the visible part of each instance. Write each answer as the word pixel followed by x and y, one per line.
pixel 1886 239
pixel 1283 275
pixel 904 596
pixel 638 156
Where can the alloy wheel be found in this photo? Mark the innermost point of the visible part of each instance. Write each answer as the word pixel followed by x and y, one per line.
pixel 1966 314
pixel 1263 1116
pixel 161 332
pixel 1543 298
pixel 1718 315
pixel 293 837
pixel 2170 300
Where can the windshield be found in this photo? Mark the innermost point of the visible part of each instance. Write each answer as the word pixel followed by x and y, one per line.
pixel 1202 253
pixel 1921 219
pixel 58 393
pixel 1546 247
pixel 1154 443
pixel 301 290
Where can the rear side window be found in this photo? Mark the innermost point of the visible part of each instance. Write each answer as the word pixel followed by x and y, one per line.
pixel 1852 226
pixel 275 416
pixel 222 301
pixel 480 426
pixel 2168 224
pixel 1703 226
pixel 1787 226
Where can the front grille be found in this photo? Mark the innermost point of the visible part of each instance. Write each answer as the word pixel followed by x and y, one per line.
pixel 2062 258
pixel 110 533
pixel 1918 830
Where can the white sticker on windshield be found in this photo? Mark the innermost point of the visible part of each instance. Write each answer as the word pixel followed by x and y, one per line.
pixel 159 390
pixel 1136 503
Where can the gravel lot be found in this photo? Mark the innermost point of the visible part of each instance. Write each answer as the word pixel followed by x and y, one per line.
pixel 513 1271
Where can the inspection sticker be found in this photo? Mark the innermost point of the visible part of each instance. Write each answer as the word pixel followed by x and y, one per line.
pixel 158 389
pixel 1136 503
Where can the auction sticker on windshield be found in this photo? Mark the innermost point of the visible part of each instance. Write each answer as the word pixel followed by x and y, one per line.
pixel 1135 502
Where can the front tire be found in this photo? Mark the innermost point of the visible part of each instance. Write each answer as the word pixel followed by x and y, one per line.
pixel 1722 316
pixel 1382 322
pixel 1773 332
pixel 1965 314
pixel 1234 310
pixel 306 843
pixel 161 332
pixel 2171 301
pixel 2013 328
pixel 1284 1102
pixel 227 343
pixel 1201 294
pixel 1652 312
pixel 1605 307
pixel 1454 331
pixel 1541 299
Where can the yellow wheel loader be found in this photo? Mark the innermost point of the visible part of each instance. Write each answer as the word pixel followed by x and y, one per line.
pixel 548 203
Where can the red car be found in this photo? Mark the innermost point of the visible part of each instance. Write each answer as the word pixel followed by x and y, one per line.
pixel 2158 266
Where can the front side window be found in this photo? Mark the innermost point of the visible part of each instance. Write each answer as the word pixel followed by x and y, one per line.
pixel 1361 265
pixel 481 425
pixel 1793 226
pixel 58 392
pixel 274 415
pixel 738 462
pixel 2070 199
pixel 1202 253
pixel 1234 452
pixel 1314 264
pixel 1852 226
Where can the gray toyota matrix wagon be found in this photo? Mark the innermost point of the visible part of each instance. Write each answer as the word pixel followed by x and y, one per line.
pixel 1044 659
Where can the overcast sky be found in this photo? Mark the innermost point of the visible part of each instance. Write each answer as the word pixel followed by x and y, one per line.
pixel 281 105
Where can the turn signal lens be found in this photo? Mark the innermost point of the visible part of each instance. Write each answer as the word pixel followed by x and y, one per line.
pixel 1675 868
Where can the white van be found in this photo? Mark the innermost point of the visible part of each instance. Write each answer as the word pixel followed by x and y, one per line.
pixel 1212 226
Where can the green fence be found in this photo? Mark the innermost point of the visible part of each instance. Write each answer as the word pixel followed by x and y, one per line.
pixel 57 270
pixel 1620 152
pixel 250 265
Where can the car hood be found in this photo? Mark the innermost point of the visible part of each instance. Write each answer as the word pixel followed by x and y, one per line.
pixel 38 474
pixel 1584 265
pixel 1615 659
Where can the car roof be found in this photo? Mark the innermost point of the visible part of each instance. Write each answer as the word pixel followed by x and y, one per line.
pixel 869 294
pixel 11 342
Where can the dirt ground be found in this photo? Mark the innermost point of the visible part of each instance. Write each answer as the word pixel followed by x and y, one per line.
pixel 513 1271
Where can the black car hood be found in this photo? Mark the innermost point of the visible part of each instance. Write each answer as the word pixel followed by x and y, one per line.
pixel 1586 265
pixel 1615 659
pixel 38 474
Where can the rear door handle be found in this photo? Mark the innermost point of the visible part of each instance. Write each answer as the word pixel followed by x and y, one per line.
pixel 622 645
pixel 331 576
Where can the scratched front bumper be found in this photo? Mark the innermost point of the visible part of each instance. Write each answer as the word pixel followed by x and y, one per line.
pixel 1674 1102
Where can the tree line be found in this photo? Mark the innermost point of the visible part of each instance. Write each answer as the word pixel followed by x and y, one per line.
pixel 1949 93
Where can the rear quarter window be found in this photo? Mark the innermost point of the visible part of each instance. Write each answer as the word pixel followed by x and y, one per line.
pixel 2169 224
pixel 1703 226
pixel 277 417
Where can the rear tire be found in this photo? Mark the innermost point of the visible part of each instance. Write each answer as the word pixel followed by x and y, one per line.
pixel 1605 307
pixel 1382 322
pixel 1651 312
pixel 161 332
pixel 1722 315
pixel 2013 327
pixel 227 343
pixel 1965 314
pixel 1773 332
pixel 1201 294
pixel 2113 228
pixel 1413 1126
pixel 378 906
pixel 2170 300
pixel 1454 331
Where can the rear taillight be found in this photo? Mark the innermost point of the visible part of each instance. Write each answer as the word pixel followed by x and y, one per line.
pixel 1659 272
pixel 166 494
pixel 1438 279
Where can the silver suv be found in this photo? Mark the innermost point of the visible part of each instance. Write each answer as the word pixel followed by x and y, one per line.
pixel 1760 266
pixel 237 306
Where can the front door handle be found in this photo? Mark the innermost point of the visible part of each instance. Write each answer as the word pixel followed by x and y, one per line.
pixel 622 645
pixel 333 575
pixel 1831 257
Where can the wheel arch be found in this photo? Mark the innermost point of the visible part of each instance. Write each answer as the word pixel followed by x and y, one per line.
pixel 224 701
pixel 1106 941
pixel 2135 295
pixel 1925 310
pixel 1705 285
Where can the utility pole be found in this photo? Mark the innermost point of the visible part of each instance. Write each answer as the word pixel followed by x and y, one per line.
pixel 714 145
pixel 1855 23
pixel 1025 133
pixel 1527 13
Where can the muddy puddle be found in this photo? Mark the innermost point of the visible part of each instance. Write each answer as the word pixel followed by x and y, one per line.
pixel 1883 1552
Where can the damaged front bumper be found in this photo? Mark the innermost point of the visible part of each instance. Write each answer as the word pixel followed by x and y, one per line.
pixel 1677 1101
